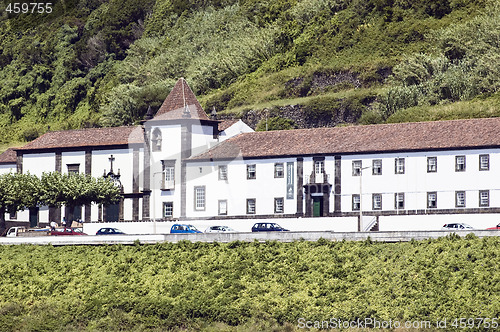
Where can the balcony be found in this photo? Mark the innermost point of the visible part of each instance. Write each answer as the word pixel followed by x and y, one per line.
pixel 318 178
pixel 168 185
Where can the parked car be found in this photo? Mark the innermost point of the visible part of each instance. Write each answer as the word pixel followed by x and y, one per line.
pixel 67 231
pixel 182 228
pixel 109 231
pixel 456 226
pixel 496 227
pixel 268 227
pixel 219 229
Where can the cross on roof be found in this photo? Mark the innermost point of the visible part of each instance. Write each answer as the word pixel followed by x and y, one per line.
pixel 111 159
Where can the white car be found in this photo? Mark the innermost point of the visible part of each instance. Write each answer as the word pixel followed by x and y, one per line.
pixel 219 229
pixel 456 226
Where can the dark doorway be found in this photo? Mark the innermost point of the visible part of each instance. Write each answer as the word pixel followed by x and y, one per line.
pixel 112 212
pixel 317 206
pixel 33 216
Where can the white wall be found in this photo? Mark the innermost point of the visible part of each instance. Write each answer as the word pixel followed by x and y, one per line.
pixel 170 150
pixel 235 129
pixel 73 157
pixel 237 189
pixel 8 168
pixel 348 224
pixel 37 163
pixel 416 182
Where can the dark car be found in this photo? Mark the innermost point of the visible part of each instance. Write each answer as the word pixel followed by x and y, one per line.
pixel 109 231
pixel 268 227
pixel 496 227
pixel 67 231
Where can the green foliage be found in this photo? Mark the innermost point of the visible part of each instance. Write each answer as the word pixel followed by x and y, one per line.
pixel 466 65
pixel 275 123
pixel 246 286
pixel 94 62
pixel 76 189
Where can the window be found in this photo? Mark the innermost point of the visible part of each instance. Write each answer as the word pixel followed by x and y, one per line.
pixel 199 198
pixel 319 166
pixel 377 201
pixel 251 171
pixel 251 206
pixel 223 208
pixel 399 201
pixel 460 198
pixel 356 202
pixel 278 205
pixel 73 168
pixel 168 174
pixel 356 167
pixel 12 216
pixel 377 167
pixel 431 164
pixel 279 170
pixel 484 198
pixel 484 162
pixel 460 164
pixel 223 172
pixel 156 140
pixel 399 166
pixel 168 209
pixel 432 200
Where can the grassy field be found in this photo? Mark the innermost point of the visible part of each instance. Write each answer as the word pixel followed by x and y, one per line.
pixel 246 286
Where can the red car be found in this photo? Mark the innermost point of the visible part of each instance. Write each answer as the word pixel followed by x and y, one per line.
pixel 496 227
pixel 67 231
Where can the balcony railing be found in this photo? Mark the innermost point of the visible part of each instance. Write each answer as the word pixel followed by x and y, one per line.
pixel 318 178
pixel 168 185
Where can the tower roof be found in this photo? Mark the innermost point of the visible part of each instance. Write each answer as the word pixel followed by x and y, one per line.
pixel 181 103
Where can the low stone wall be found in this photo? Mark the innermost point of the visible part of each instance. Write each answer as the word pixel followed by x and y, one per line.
pixel 247 237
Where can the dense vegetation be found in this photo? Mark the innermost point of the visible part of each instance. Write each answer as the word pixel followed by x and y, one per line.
pixel 254 285
pixel 103 62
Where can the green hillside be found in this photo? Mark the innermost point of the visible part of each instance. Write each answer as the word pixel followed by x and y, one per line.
pixel 103 62
pixel 254 286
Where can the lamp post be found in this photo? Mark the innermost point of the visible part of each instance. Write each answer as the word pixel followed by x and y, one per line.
pixel 360 196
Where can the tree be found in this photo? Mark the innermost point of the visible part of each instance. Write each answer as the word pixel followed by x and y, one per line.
pixel 17 192
pixel 75 189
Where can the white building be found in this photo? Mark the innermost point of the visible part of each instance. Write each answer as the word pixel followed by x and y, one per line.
pixel 445 170
pixel 181 165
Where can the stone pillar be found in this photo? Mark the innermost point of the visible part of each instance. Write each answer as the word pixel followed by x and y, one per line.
pixel 337 188
pixel 135 184
pixel 88 171
pixel 147 175
pixel 300 184
pixel 186 146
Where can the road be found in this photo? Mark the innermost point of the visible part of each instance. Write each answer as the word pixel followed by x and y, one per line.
pixel 395 236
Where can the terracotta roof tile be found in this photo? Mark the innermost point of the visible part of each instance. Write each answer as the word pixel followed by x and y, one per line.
pixel 454 134
pixel 226 124
pixel 87 138
pixel 9 156
pixel 180 96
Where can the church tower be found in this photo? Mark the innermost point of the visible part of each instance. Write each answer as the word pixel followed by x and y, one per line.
pixel 180 129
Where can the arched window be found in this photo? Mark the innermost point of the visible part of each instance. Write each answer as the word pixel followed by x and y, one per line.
pixel 156 140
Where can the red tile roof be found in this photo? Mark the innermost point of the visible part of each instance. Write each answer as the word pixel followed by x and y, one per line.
pixel 453 134
pixel 226 124
pixel 87 138
pixel 180 97
pixel 8 157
